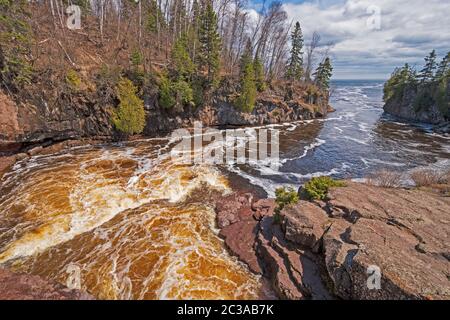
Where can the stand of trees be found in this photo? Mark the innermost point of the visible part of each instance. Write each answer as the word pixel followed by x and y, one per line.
pixel 429 85
pixel 184 46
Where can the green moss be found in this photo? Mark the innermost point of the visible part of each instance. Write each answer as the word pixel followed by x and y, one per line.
pixel 73 80
pixel 317 188
pixel 129 117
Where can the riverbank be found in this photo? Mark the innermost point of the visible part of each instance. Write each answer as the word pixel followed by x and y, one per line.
pixel 329 249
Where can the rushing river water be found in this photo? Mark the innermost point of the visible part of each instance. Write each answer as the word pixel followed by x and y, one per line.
pixel 127 221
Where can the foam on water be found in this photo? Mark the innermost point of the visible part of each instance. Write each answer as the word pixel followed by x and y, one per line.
pixel 110 209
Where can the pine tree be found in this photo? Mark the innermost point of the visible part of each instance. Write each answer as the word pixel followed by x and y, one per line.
pixel 182 64
pixel 427 73
pixel 193 31
pixel 399 80
pixel 443 70
pixel 295 65
pixel 129 118
pixel 259 74
pixel 155 16
pixel 16 38
pixel 323 74
pixel 247 97
pixel 210 43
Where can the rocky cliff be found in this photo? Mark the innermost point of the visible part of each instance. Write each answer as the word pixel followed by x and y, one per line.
pixel 84 115
pixel 405 106
pixel 328 250
pixel 23 124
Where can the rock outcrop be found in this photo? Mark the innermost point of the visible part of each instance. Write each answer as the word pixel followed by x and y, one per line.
pixel 335 249
pixel 26 124
pixel 36 119
pixel 405 107
pixel 15 286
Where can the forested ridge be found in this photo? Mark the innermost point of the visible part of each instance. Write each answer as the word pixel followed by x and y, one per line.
pixel 422 95
pixel 176 54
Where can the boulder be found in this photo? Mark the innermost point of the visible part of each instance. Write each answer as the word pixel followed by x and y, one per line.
pixel 263 207
pixel 305 224
pixel 294 273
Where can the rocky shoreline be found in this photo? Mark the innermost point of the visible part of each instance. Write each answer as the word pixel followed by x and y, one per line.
pixel 25 124
pixel 404 106
pixel 328 249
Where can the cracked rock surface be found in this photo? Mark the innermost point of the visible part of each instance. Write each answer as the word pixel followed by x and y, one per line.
pixel 328 250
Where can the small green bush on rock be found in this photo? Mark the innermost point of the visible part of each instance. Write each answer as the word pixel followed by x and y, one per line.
pixel 317 188
pixel 284 197
pixel 129 117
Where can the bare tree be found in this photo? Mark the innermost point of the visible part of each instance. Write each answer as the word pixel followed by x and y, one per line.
pixel 310 55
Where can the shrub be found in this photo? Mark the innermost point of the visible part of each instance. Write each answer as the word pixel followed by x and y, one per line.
pixel 73 80
pixel 317 188
pixel 106 82
pixel 166 99
pixel 183 92
pixel 284 197
pixel 173 93
pixel 428 177
pixel 129 117
pixel 385 178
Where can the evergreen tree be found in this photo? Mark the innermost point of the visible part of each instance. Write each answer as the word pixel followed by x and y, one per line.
pixel 295 65
pixel 427 73
pixel 155 16
pixel 175 89
pixel 247 95
pixel 15 44
pixel 182 65
pixel 193 31
pixel 210 43
pixel 137 74
pixel 259 74
pixel 129 117
pixel 443 70
pixel 247 56
pixel 399 80
pixel 323 74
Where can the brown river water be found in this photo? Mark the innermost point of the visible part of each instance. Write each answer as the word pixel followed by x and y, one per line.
pixel 127 221
pixel 125 218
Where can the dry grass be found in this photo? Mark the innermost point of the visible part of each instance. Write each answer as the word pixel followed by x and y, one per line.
pixel 429 177
pixel 385 178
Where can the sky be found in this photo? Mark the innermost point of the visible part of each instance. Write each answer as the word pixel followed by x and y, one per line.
pixel 369 38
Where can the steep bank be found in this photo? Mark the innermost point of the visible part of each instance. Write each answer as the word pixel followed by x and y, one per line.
pixel 84 116
pixel 421 96
pixel 328 249
pixel 405 106
pixel 64 84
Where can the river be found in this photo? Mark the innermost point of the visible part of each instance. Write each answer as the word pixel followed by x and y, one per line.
pixel 127 221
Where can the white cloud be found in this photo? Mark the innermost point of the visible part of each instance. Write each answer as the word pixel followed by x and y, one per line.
pixel 409 30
